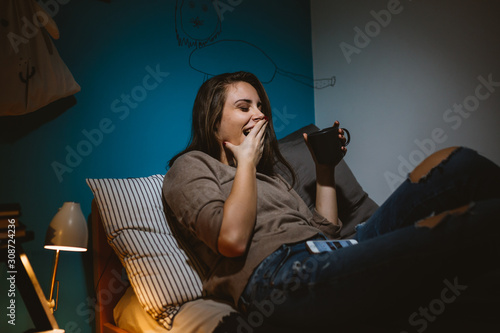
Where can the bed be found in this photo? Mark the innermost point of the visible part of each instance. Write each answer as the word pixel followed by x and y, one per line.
pixel 127 216
pixel 142 270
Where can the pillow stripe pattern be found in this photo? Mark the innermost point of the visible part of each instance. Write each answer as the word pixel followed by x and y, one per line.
pixel 163 275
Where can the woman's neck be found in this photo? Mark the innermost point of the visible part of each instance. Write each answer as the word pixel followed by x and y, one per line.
pixel 227 159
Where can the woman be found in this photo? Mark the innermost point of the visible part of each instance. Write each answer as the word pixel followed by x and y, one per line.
pixel 249 227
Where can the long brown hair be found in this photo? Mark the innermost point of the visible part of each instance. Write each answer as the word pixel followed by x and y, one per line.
pixel 207 115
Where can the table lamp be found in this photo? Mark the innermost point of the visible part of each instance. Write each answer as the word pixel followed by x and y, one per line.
pixel 67 232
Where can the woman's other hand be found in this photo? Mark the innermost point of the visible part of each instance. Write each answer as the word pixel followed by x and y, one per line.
pixel 340 135
pixel 326 193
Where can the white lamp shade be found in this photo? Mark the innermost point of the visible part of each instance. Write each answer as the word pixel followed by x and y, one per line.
pixel 68 229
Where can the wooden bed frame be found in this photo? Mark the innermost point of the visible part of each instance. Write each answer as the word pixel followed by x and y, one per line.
pixel 108 283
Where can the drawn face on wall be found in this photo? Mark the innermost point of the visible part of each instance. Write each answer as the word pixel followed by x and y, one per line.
pixel 199 19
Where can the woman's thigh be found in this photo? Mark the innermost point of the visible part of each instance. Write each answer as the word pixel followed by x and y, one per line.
pixel 390 274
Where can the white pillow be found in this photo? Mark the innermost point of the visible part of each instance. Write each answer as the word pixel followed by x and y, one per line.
pixel 163 275
pixel 201 315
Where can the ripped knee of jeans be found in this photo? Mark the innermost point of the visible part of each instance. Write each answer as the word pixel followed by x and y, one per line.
pixel 432 162
pixel 432 221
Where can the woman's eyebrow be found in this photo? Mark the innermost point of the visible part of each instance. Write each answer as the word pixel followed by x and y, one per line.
pixel 249 101
pixel 243 100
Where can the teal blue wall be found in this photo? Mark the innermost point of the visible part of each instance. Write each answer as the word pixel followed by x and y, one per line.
pixel 109 47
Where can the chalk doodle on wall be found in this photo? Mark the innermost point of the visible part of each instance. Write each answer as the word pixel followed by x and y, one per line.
pixel 198 24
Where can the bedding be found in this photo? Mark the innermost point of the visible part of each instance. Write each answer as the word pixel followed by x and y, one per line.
pixel 165 277
pixel 162 274
pixel 200 315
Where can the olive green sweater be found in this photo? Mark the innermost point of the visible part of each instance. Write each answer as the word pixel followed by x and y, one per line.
pixel 195 189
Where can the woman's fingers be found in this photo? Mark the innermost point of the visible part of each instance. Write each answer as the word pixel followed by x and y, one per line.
pixel 309 147
pixel 252 148
pixel 258 128
pixel 342 137
pixel 343 140
pixel 262 131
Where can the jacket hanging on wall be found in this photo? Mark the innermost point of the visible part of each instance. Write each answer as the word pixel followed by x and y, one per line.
pixel 32 73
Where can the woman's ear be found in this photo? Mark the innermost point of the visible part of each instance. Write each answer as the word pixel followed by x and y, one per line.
pixel 216 133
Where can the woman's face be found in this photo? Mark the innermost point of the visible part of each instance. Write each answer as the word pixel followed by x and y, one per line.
pixel 241 112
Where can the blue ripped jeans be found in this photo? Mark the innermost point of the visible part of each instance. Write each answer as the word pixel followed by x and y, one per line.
pixel 398 265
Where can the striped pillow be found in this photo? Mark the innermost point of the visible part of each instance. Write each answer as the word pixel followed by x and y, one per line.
pixel 163 275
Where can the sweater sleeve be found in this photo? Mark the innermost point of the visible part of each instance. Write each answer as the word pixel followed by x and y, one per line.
pixel 194 196
pixel 330 230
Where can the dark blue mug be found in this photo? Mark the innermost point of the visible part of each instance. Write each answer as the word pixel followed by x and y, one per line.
pixel 326 145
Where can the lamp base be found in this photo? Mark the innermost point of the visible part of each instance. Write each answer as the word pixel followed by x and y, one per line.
pixel 32 294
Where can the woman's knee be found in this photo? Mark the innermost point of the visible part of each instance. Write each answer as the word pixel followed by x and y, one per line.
pixel 432 221
pixel 429 163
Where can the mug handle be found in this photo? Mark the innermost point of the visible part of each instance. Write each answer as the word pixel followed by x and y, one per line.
pixel 348 136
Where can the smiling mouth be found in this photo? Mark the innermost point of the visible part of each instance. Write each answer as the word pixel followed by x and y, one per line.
pixel 245 132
